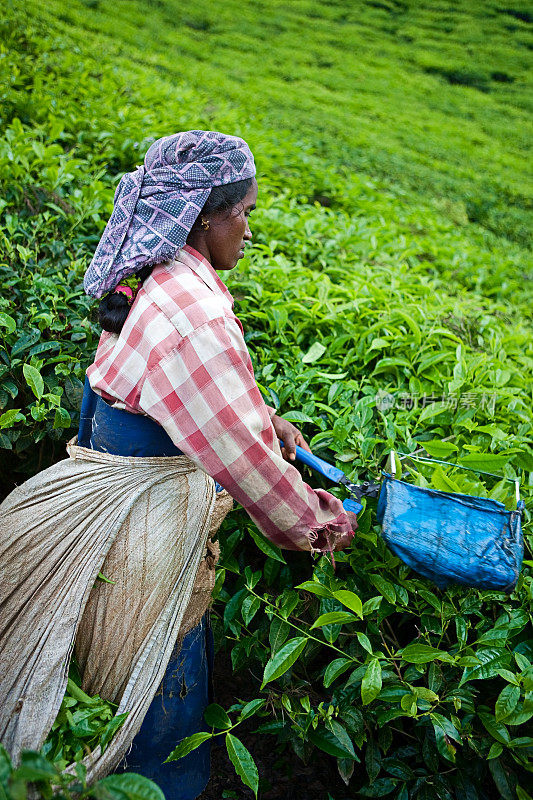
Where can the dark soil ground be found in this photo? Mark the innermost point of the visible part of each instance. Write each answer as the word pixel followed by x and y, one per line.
pixel 282 775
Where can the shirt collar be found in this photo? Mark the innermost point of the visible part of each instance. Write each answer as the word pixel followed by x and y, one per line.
pixel 201 266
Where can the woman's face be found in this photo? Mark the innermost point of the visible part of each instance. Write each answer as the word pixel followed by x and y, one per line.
pixel 229 232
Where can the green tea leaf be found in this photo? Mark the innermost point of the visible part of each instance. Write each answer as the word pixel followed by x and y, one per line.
pixel 314 588
pixel 297 416
pixel 501 780
pixel 415 328
pixel 5 766
pixel 266 546
pixel 488 462
pixel 7 322
pixel 25 341
pixel 336 668
pixel 371 683
pixel 279 630
pixel 432 410
pixel 333 618
pixel 508 676
pixel 251 708
pixel 232 607
pixel 62 418
pixel 489 661
pixel 423 653
pixel 34 380
pixel 496 749
pixel 380 788
pixel 506 702
pixel 73 390
pixel 127 786
pixel 384 587
pixel 439 449
pixel 425 694
pixel 345 767
pixel 522 662
pixel 364 641
pixel 372 760
pixel 341 734
pixel 8 418
pixel 243 762
pixel 350 600
pixel 443 482
pixel 283 659
pixel 446 725
pixel 111 728
pixel 104 578
pixel 75 691
pixel 444 745
pixel 34 767
pixel 10 387
pixel 496 729
pixel 314 353
pixel 327 741
pixel 216 717
pixel 372 605
pixel 250 607
pixel 187 745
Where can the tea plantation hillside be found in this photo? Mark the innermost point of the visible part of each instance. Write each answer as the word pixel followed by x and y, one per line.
pixel 432 96
pixel 387 305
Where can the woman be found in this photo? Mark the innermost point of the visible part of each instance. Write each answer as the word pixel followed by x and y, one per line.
pixel 172 383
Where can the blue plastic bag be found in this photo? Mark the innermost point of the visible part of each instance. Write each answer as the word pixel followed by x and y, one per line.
pixel 452 537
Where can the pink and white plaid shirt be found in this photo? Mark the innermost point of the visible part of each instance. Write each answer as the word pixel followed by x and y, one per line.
pixel 181 359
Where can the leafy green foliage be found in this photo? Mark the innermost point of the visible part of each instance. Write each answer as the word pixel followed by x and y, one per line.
pixel 386 304
pixel 83 722
pixel 243 762
pixel 221 725
pixel 37 776
pixel 451 669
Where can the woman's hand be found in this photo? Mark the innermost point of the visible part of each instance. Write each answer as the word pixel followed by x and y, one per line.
pixel 291 437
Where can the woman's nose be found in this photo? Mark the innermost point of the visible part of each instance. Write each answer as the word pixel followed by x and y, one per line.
pixel 247 232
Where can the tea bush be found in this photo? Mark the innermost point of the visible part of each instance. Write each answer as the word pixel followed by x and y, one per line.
pixel 386 303
pixel 43 779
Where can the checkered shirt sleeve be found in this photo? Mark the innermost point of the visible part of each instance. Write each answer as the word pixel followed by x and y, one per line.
pixel 185 364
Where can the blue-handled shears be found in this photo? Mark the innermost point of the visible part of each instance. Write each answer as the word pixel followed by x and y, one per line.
pixel 337 476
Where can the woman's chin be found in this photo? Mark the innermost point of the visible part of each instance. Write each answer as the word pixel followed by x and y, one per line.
pixel 226 265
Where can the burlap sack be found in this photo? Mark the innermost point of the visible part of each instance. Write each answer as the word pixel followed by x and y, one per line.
pixel 205 577
pixel 137 561
pixel 57 532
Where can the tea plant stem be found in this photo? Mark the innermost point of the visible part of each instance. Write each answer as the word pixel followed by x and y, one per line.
pixel 300 630
pixel 393 635
pixel 396 667
pixel 250 633
pixel 403 733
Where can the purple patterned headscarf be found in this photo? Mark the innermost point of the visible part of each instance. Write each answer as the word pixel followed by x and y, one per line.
pixel 156 206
